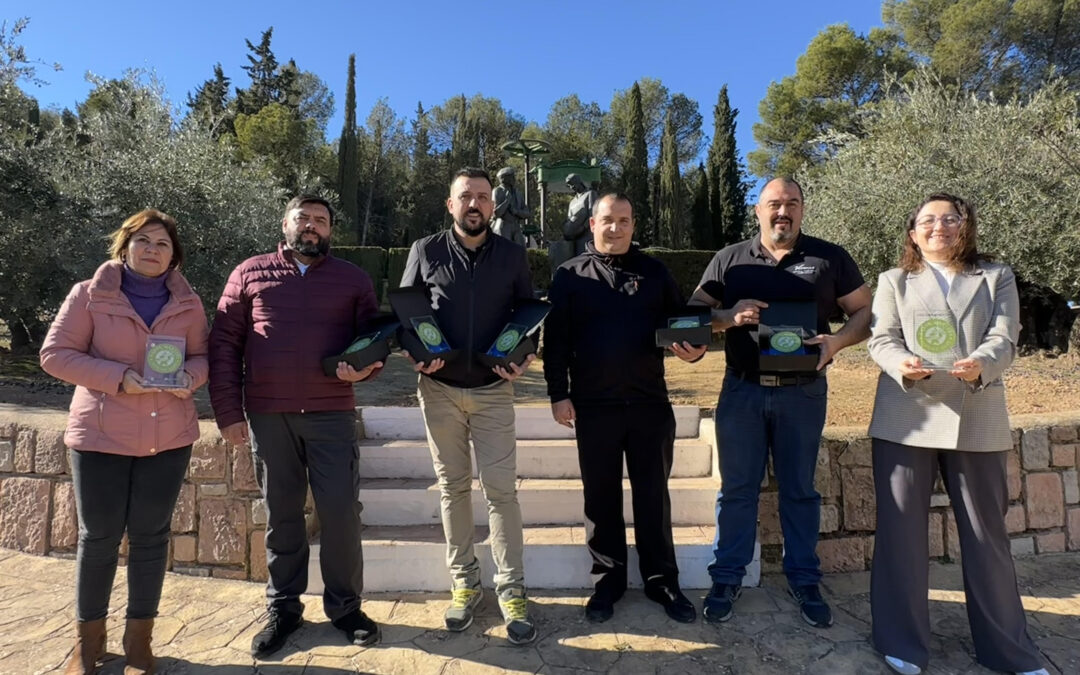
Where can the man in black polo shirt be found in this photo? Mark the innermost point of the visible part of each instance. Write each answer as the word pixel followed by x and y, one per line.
pixel 782 413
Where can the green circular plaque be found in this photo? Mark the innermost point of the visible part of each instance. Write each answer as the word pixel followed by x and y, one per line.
pixel 785 342
pixel 685 323
pixel 936 335
pixel 359 344
pixel 429 334
pixel 507 340
pixel 164 358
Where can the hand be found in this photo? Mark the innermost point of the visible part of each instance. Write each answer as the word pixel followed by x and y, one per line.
pixel 829 345
pixel 746 312
pixel 349 374
pixel 687 352
pixel 968 370
pixel 185 390
pixel 912 369
pixel 563 413
pixel 133 384
pixel 236 434
pixel 515 370
pixel 421 368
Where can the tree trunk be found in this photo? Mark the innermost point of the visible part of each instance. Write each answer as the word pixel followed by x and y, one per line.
pixel 1046 318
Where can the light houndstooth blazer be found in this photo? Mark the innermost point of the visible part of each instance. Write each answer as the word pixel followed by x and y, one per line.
pixel 942 411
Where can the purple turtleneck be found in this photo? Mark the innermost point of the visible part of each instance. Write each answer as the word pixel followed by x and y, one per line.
pixel 146 294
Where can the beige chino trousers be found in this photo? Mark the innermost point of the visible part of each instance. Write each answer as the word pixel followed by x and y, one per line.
pixel 453 415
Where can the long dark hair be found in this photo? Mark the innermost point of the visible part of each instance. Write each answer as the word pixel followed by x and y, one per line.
pixel 964 253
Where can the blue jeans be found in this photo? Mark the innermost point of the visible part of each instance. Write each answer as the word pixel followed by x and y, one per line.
pixel 751 422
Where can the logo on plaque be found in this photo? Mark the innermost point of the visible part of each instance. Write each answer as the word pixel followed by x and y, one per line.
pixel 430 334
pixel 691 322
pixel 785 342
pixel 362 343
pixel 936 335
pixel 164 358
pixel 508 340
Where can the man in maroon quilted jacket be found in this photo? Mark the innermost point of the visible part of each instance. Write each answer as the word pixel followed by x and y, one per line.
pixel 280 315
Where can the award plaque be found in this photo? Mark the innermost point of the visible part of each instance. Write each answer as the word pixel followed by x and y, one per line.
pixel 373 345
pixel 694 325
pixel 419 332
pixel 784 326
pixel 164 362
pixel 936 341
pixel 515 341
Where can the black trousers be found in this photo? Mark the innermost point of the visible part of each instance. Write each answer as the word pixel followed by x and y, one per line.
pixel 645 434
pixel 291 450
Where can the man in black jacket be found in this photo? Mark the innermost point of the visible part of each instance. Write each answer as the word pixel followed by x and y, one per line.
pixel 474 277
pixel 606 305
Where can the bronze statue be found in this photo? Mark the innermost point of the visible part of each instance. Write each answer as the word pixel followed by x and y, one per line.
pixel 576 227
pixel 510 208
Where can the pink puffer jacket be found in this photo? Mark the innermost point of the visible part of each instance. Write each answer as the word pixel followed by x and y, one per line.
pixel 96 337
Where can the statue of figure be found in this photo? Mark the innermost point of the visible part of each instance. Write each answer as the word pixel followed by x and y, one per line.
pixel 510 208
pixel 576 227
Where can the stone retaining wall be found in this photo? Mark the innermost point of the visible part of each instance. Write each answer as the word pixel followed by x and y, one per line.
pixel 219 523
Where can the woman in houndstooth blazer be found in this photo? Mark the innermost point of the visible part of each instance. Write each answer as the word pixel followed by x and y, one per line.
pixel 944 329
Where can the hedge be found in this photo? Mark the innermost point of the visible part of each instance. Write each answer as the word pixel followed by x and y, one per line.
pixel 371 259
pixel 686 266
pixel 395 266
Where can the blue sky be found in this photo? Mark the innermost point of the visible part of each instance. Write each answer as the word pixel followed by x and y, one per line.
pixel 429 51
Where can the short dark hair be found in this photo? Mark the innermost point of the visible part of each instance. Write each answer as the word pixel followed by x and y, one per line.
pixel 119 240
pixel 299 200
pixel 470 172
pixel 615 197
pixel 788 180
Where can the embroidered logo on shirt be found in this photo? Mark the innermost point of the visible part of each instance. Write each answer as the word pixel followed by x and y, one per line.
pixel 802 268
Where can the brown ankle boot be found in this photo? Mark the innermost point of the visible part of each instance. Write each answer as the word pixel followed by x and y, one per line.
pixel 89 647
pixel 140 659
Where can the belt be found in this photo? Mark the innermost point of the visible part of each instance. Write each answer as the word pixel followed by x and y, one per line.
pixel 775 379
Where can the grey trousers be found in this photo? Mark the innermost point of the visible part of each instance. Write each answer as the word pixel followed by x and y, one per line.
pixel 292 450
pixel 453 415
pixel 899 581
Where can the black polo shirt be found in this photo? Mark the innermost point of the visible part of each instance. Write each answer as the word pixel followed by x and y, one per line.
pixel 814 270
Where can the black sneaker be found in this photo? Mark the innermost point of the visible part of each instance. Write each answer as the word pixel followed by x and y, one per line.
pixel 677 606
pixel 359 629
pixel 600 607
pixel 514 606
pixel 815 611
pixel 279 625
pixel 719 605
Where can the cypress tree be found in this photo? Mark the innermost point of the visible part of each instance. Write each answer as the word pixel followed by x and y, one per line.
pixel 669 197
pixel 348 180
pixel 635 178
pixel 727 192
pixel 700 218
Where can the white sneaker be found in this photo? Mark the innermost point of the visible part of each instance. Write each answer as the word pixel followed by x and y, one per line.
pixel 901 666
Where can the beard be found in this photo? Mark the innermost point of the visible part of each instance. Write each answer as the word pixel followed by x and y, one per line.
pixel 311 249
pixel 782 237
pixel 473 230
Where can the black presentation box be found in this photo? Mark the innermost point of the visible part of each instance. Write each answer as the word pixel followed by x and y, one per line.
pixel 783 328
pixel 516 339
pixel 373 345
pixel 693 325
pixel 414 312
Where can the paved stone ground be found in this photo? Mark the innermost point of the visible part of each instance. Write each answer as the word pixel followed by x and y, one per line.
pixel 206 627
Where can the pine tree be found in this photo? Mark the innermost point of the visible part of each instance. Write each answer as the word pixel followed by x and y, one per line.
pixel 700 219
pixel 669 200
pixel 426 190
pixel 262 68
pixel 210 106
pixel 347 151
pixel 727 191
pixel 635 177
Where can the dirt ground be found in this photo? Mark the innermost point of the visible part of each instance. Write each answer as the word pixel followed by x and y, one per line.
pixel 1038 383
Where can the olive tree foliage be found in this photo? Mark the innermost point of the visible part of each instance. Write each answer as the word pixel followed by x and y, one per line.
pixel 61 196
pixel 1016 162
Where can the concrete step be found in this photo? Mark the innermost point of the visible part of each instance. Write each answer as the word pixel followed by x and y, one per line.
pixel 543 501
pixel 414 559
pixel 532 422
pixel 535 459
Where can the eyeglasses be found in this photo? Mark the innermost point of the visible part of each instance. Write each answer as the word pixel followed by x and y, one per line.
pixel 949 220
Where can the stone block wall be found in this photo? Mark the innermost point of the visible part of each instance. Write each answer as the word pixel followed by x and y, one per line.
pixel 1044 499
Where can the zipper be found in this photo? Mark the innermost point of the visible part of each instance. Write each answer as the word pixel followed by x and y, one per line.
pixel 472 303
pixel 101 411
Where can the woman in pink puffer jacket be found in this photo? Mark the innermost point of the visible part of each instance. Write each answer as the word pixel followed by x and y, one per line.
pixel 129 442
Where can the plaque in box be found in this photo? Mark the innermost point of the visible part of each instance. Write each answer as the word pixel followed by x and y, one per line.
pixel 372 346
pixel 694 325
pixel 516 341
pixel 783 329
pixel 164 362
pixel 420 333
pixel 936 341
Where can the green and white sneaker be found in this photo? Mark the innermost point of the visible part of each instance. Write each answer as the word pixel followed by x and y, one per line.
pixel 463 602
pixel 515 612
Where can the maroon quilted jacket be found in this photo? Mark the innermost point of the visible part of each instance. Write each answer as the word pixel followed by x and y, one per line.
pixel 274 326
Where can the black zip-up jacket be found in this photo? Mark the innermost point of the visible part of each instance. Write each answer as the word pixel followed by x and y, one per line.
pixel 602 328
pixel 472 295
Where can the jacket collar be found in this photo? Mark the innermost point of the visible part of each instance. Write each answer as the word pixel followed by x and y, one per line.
pixel 962 291
pixel 608 259
pixel 105 284
pixel 289 256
